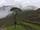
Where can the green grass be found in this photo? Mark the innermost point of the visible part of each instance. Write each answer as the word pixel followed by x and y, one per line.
pixel 37 27
pixel 22 27
pixel 18 27
pixel 9 28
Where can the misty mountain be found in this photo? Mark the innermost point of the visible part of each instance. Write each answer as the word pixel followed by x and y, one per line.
pixel 4 11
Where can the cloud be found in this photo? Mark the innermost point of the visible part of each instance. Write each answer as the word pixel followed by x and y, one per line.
pixel 20 3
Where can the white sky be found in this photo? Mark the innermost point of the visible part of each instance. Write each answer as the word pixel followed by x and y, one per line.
pixel 5 11
pixel 17 3
pixel 23 3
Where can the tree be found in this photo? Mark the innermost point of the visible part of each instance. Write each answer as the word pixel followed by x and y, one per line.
pixel 16 10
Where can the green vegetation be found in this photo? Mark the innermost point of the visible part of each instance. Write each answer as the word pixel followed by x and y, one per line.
pixel 24 26
pixel 25 22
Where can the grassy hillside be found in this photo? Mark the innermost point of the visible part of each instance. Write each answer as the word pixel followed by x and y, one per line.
pixel 26 20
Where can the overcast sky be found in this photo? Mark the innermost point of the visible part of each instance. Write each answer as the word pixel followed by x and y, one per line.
pixel 17 3
pixel 23 3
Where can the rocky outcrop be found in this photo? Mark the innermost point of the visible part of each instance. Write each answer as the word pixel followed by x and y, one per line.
pixel 35 18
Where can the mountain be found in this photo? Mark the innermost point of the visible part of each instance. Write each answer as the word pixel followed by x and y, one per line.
pixel 36 16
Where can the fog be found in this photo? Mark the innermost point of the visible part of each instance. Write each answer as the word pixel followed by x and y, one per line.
pixel 5 11
pixel 23 4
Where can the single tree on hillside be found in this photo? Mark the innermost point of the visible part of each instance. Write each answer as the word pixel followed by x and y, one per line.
pixel 16 10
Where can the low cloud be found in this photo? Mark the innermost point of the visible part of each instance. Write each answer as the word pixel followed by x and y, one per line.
pixel 21 3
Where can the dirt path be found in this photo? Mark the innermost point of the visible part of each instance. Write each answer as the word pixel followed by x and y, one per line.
pixel 1 28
